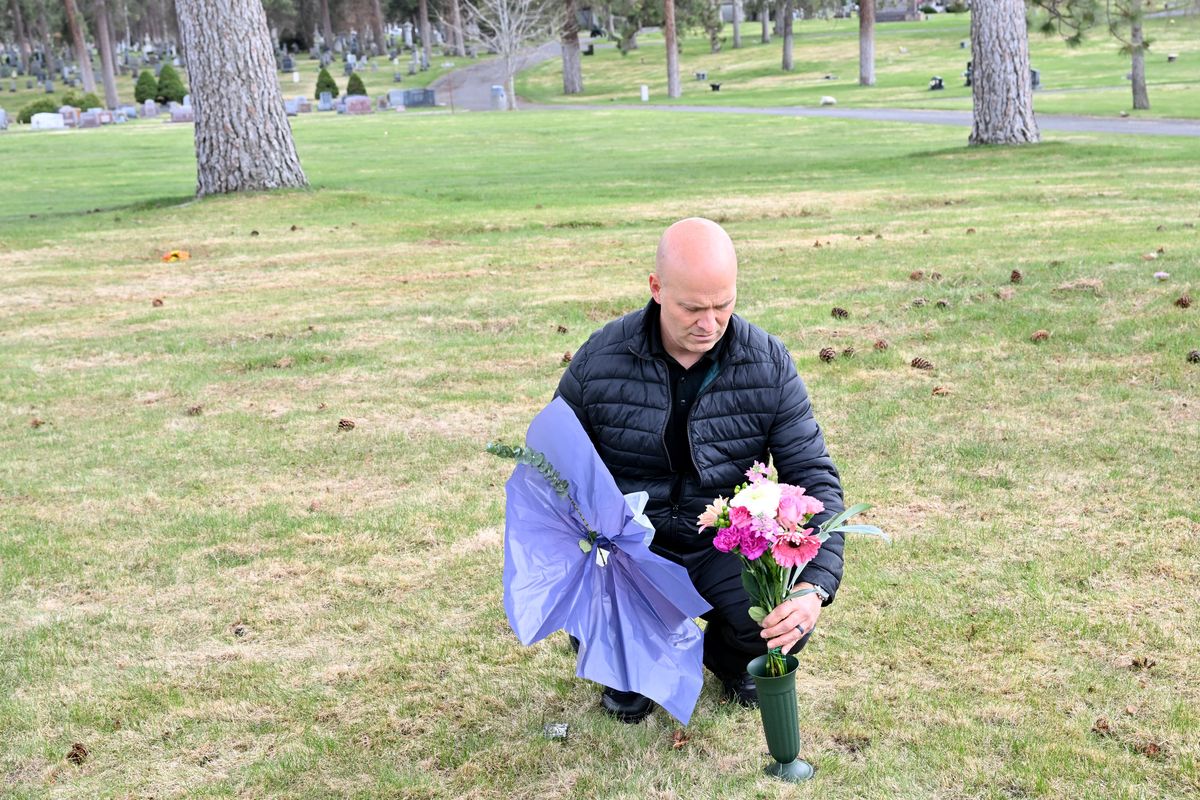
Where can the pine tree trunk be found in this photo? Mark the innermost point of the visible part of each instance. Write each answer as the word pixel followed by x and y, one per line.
pixel 786 24
pixel 673 87
pixel 737 23
pixel 22 35
pixel 914 10
pixel 80 47
pixel 866 43
pixel 765 16
pixel 326 27
pixel 456 18
pixel 108 69
pixel 512 88
pixel 777 28
pixel 1137 43
pixel 426 34
pixel 377 27
pixel 1001 88
pixel 243 139
pixel 571 67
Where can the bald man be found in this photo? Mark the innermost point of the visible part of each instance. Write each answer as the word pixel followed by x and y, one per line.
pixel 680 399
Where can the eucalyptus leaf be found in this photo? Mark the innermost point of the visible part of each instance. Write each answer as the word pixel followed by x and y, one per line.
pixel 585 545
pixel 757 614
pixel 801 593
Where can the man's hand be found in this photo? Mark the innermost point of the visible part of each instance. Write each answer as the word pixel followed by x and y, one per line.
pixel 780 626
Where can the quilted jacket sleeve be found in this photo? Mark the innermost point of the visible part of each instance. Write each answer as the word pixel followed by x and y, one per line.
pixel 801 458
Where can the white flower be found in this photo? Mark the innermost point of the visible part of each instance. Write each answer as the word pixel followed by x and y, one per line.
pixel 760 499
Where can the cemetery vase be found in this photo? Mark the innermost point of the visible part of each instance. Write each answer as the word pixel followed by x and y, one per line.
pixel 780 719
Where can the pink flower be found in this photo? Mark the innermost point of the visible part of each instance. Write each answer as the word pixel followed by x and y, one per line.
pixel 740 516
pixel 757 473
pixel 795 507
pixel 712 513
pixel 795 549
pixel 727 539
pixel 754 544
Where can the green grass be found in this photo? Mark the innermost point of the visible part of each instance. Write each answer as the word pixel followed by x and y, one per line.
pixel 1086 80
pixel 243 601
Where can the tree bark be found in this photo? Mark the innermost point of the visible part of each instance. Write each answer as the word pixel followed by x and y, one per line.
pixel 460 49
pixel 1137 46
pixel 108 69
pixel 673 87
pixel 426 34
pixel 777 28
pixel 1001 88
pixel 866 43
pixel 572 69
pixel 765 16
pixel 22 35
pixel 914 10
pixel 737 23
pixel 326 27
pixel 377 27
pixel 785 23
pixel 79 46
pixel 243 139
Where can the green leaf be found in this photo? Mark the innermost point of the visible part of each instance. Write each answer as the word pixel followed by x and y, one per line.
pixel 845 515
pixel 749 584
pixel 585 545
pixel 800 593
pixel 757 614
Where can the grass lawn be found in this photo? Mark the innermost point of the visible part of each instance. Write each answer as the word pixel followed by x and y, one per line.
pixel 1086 80
pixel 217 593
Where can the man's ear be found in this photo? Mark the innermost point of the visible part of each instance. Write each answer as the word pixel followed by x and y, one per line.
pixel 655 288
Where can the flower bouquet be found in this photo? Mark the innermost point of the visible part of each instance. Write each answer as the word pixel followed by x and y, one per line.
pixel 764 525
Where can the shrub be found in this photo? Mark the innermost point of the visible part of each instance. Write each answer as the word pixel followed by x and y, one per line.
pixel 83 101
pixel 355 85
pixel 325 83
pixel 146 88
pixel 47 105
pixel 170 87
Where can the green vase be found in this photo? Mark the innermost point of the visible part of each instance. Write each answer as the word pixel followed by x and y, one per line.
pixel 781 722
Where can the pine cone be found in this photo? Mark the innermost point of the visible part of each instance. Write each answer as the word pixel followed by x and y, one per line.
pixel 970 230
pixel 881 344
pixel 345 424
pixel 827 354
pixel 566 357
pixel 942 304
pixel 916 275
pixel 195 411
pixel 562 328
pixel 1015 276
pixel 940 391
pixel 1040 336
pixel 920 301
pixel 1194 357
pixel 157 302
pixel 1184 301
pixel 921 363
pixel 848 352
pixel 935 276
pixel 840 313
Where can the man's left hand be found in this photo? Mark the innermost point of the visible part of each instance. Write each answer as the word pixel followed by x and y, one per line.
pixel 789 621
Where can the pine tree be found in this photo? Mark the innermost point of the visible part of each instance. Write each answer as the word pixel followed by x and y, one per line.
pixel 146 88
pixel 325 83
pixel 170 87
pixel 355 85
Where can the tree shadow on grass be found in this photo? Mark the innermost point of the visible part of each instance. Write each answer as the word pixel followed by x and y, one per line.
pixel 152 204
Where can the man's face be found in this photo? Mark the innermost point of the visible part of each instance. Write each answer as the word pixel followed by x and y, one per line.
pixel 696 307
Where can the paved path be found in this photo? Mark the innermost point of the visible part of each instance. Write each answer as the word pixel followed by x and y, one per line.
pixel 472 90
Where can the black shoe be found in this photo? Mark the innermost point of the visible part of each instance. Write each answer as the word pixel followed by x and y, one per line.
pixel 740 689
pixel 629 707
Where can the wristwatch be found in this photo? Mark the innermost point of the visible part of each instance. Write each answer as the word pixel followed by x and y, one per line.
pixel 821 593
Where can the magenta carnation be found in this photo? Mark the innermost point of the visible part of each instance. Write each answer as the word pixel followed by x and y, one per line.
pixel 727 539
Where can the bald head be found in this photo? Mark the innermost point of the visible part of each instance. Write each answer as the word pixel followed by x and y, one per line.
pixel 695 249
pixel 695 283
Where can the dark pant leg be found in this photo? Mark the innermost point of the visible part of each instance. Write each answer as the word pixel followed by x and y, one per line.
pixel 732 638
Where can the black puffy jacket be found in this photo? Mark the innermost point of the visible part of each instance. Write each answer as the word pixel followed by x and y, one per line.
pixel 754 407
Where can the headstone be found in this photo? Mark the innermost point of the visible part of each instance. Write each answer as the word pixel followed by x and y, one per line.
pixel 645 93
pixel 49 87
pixel 89 119
pixel 408 34
pixel 701 76
pixel 70 116
pixel 288 64
pixel 348 69
pixel 304 104
pixel 291 107
pixel 1172 58
pixel 936 84
pixel 826 100
pixel 106 116
pixel 397 77
pixel 395 98
pixel 3 120
pixel 295 77
pixel 1035 79
pixel 130 112
pixel 358 104
pixel 352 59
pixel 47 122
pixel 149 109
pixel 187 101
pixel 182 114
pixel 325 102
pixel 499 98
